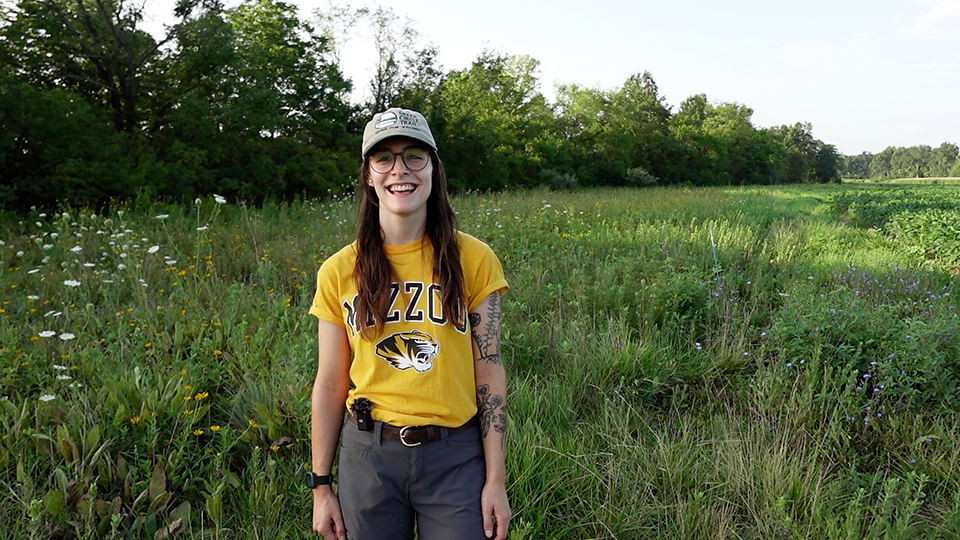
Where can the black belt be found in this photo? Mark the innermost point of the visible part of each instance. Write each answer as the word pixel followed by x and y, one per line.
pixel 417 435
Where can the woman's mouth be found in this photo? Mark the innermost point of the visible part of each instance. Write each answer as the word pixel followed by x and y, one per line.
pixel 402 188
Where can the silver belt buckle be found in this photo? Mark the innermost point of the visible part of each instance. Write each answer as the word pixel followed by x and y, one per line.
pixel 403 433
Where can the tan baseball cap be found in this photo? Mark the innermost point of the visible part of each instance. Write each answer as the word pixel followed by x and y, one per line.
pixel 396 122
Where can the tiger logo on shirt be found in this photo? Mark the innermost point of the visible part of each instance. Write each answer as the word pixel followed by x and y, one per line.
pixel 405 350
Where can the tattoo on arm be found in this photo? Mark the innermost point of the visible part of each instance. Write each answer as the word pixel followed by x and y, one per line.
pixel 486 330
pixel 492 411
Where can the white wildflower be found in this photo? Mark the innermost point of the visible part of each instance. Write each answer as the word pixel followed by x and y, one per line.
pixel 162 216
pixel 64 378
pixel 19 254
pixel 88 265
pixel 60 368
pixel 75 385
pixel 76 249
pixel 47 333
pixel 121 267
pixel 171 262
pixel 47 247
pixel 202 228
pixel 153 249
pixel 67 336
pixel 219 199
pixel 48 397
pixel 71 283
pixel 34 271
pixel 33 297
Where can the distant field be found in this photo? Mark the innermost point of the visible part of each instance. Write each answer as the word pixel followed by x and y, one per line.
pixel 724 363
pixel 943 180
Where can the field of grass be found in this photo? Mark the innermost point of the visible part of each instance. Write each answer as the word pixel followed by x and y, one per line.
pixel 683 363
pixel 914 181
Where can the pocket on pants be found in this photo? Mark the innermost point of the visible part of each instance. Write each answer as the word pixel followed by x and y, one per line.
pixel 353 440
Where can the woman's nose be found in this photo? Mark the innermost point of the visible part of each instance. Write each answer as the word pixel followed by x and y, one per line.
pixel 398 161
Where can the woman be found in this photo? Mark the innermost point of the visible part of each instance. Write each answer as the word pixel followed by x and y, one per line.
pixel 423 447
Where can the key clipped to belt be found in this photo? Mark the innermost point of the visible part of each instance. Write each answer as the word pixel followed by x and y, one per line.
pixel 361 408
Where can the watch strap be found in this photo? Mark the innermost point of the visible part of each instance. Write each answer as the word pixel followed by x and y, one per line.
pixel 314 480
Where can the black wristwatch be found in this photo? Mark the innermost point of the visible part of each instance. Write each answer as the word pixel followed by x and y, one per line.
pixel 315 480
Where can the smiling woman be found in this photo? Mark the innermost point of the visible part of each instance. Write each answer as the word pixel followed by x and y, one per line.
pixel 395 308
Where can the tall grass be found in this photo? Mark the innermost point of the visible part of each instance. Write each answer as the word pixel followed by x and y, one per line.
pixel 683 363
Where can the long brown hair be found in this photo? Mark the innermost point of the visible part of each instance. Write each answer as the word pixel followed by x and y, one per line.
pixel 373 272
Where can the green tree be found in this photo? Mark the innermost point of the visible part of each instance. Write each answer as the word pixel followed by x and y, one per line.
pixel 492 122
pixel 942 159
pixel 857 166
pixel 95 48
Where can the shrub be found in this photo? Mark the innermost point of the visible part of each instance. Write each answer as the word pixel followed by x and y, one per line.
pixel 558 181
pixel 639 177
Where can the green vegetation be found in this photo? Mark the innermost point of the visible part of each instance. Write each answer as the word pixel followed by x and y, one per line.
pixel 926 219
pixel 684 363
pixel 249 101
pixel 898 164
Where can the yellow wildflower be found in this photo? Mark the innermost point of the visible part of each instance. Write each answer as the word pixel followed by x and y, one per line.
pixel 135 420
pixel 214 428
pixel 201 395
pixel 188 412
pixel 198 432
pixel 253 423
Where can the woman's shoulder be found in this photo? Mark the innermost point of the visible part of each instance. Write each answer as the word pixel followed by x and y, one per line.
pixel 467 241
pixel 472 248
pixel 345 258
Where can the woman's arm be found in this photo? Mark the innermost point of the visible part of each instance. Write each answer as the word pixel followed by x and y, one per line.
pixel 492 411
pixel 327 405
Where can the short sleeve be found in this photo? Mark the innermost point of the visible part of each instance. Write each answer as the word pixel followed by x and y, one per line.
pixel 484 276
pixel 327 300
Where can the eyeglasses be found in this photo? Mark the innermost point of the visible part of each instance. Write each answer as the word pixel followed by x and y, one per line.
pixel 415 159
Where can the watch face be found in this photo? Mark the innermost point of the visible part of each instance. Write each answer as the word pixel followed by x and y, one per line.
pixel 313 480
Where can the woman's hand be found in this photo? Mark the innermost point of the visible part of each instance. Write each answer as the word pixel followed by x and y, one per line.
pixel 496 510
pixel 327 518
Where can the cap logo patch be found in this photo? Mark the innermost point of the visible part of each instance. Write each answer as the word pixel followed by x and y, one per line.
pixel 386 119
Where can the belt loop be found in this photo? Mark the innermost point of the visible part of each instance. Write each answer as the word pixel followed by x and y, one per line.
pixel 378 433
pixel 444 432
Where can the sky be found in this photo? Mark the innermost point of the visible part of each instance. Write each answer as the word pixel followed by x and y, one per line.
pixel 865 74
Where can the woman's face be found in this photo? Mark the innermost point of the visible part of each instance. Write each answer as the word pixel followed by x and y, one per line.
pixel 402 192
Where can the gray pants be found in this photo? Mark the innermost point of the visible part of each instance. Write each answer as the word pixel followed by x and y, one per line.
pixel 385 487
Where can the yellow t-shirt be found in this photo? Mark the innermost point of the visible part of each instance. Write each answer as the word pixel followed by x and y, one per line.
pixel 419 370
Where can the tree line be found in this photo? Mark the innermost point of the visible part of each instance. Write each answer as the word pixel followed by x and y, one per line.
pixel 250 102
pixel 913 162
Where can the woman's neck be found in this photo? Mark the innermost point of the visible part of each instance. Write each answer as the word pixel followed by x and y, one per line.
pixel 400 230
